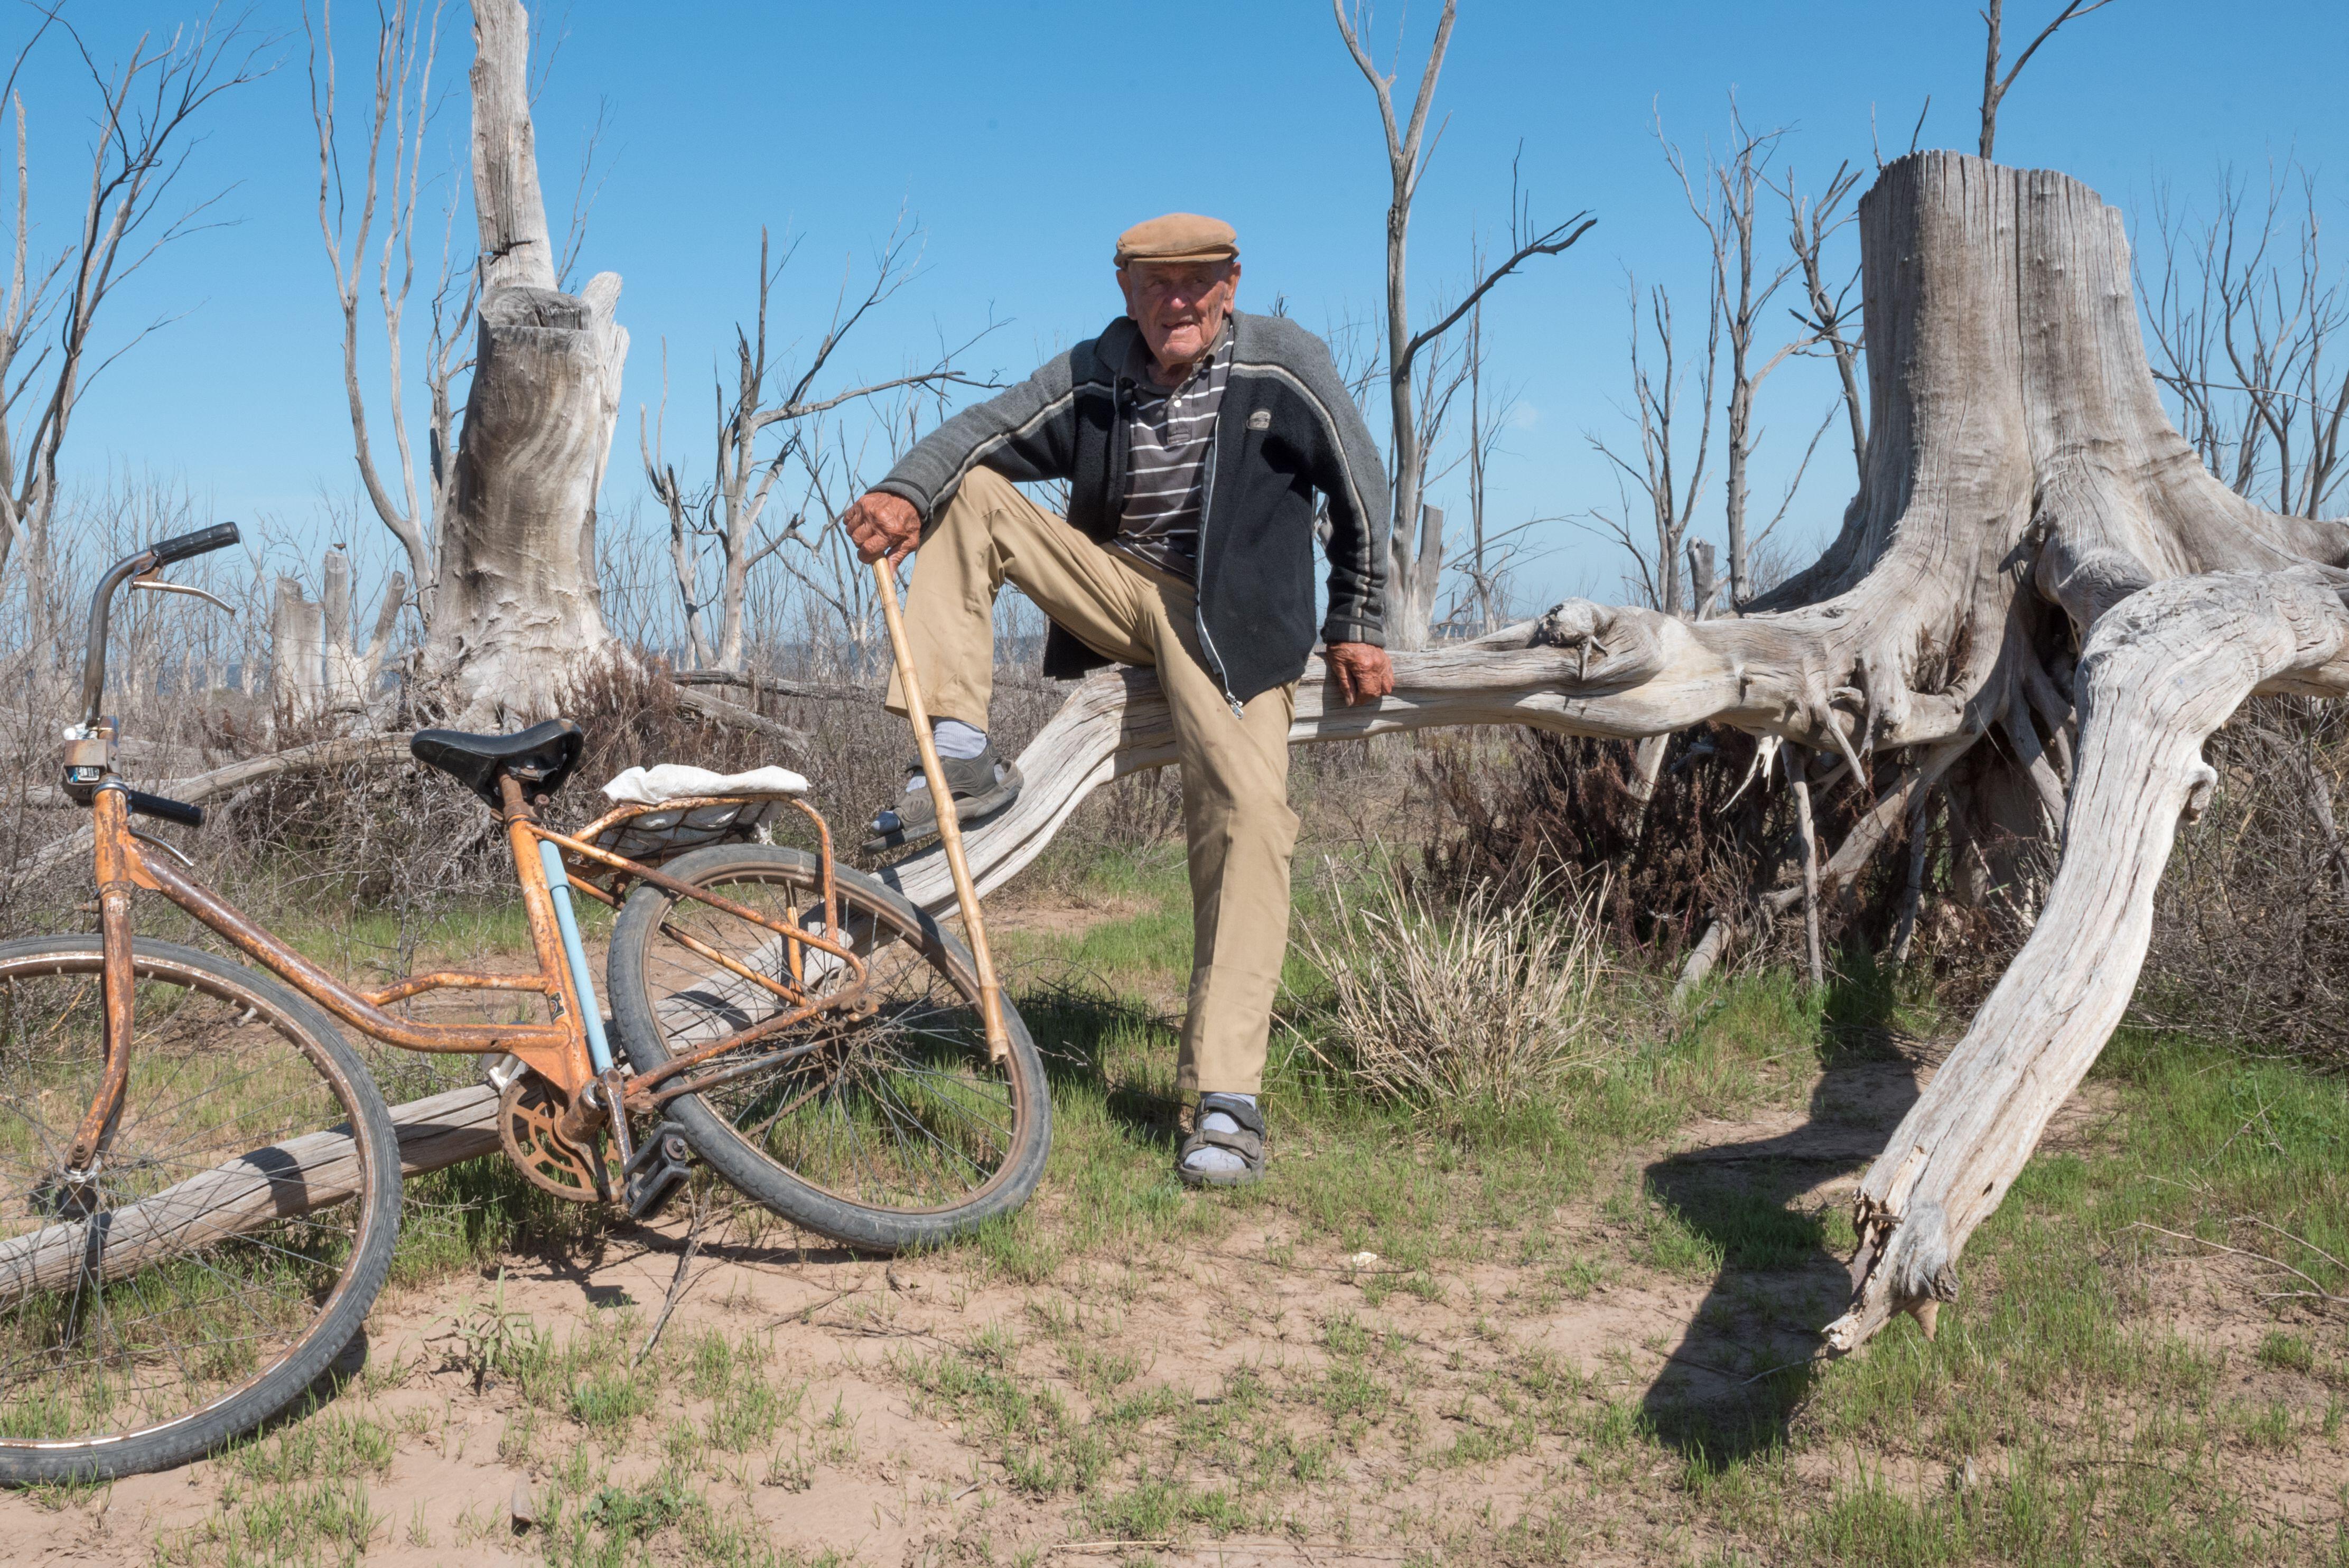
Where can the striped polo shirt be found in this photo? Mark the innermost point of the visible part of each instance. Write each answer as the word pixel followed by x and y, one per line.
pixel 1169 430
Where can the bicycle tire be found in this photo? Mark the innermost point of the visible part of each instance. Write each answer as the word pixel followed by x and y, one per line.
pixel 939 1051
pixel 202 1057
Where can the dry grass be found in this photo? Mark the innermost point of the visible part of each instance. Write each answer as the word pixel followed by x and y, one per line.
pixel 1478 1002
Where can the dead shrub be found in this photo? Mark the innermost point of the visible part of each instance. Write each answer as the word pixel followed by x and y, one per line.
pixel 1475 1001
pixel 1517 810
pixel 1513 809
pixel 2251 923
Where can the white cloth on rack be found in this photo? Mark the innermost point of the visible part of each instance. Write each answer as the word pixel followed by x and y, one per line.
pixel 676 780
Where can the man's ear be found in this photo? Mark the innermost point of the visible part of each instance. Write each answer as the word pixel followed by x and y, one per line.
pixel 1125 291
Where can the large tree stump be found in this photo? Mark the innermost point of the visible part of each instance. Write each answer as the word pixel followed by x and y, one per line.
pixel 517 606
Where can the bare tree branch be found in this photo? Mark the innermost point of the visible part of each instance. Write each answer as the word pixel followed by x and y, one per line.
pixel 722 518
pixel 1415 536
pixel 147 105
pixel 1995 88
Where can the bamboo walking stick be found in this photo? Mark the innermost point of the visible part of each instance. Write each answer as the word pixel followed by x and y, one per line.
pixel 991 993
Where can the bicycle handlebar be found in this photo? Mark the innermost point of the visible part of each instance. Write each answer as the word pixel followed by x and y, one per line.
pixel 204 542
pixel 101 603
pixel 170 810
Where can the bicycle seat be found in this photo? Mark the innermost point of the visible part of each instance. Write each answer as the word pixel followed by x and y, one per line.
pixel 541 757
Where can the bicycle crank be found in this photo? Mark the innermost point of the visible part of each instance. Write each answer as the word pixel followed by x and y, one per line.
pixel 530 1128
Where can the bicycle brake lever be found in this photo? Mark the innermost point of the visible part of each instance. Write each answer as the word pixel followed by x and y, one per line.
pixel 176 852
pixel 154 585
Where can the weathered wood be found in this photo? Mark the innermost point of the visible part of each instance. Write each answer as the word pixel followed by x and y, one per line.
pixel 297 652
pixel 243 1194
pixel 2159 674
pixel 517 606
pixel 516 249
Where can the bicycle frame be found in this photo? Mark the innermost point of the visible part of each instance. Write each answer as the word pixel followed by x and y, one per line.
pixel 557 1050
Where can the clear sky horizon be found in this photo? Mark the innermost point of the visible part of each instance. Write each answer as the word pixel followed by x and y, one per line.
pixel 1022 136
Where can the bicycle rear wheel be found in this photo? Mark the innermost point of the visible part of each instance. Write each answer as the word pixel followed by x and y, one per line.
pixel 231 1238
pixel 885 1129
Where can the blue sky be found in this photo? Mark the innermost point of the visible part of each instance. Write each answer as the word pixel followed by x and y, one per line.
pixel 1023 134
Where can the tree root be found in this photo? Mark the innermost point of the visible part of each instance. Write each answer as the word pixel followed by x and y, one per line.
pixel 2160 671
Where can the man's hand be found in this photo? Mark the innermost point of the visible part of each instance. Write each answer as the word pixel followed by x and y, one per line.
pixel 882 524
pixel 1362 671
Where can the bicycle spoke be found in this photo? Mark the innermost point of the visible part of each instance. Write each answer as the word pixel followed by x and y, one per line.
pixel 896 1108
pixel 130 1340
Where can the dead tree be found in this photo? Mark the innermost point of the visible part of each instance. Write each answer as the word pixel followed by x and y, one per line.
pixel 1723 201
pixel 317 665
pixel 1827 326
pixel 2246 318
pixel 1994 86
pixel 1485 423
pixel 1493 555
pixel 516 604
pixel 2024 496
pixel 146 109
pixel 1666 478
pixel 724 517
pixel 1415 542
pixel 408 499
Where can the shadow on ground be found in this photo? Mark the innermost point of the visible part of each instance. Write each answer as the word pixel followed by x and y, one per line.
pixel 1090 1039
pixel 1749 1356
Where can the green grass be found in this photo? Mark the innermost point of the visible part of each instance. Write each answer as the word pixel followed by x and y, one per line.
pixel 1352 1173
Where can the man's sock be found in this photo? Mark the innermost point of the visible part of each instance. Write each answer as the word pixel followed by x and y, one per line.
pixel 1216 1121
pixel 957 739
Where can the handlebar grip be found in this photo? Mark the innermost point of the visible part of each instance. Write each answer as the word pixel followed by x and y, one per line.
pixel 178 811
pixel 202 541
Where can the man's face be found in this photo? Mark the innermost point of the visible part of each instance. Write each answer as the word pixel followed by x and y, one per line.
pixel 1180 306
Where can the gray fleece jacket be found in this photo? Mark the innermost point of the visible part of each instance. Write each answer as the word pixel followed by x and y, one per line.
pixel 1285 429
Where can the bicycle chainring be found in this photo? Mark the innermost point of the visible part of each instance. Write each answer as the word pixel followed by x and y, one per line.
pixel 529 1114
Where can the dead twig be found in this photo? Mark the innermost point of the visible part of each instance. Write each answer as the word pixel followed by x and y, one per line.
pixel 807 1314
pixel 679 1282
pixel 2314 1290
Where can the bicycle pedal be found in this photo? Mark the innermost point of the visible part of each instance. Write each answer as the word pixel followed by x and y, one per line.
pixel 656 1170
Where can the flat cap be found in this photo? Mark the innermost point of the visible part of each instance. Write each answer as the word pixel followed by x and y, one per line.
pixel 1179 237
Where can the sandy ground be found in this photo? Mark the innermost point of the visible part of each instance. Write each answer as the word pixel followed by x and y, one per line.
pixel 875 1477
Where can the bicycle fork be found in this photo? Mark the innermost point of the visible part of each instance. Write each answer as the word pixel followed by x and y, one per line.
pixel 109 821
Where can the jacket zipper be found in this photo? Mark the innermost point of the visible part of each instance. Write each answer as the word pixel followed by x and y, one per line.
pixel 1199 600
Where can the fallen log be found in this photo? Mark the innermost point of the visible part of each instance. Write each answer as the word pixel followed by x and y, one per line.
pixel 2162 671
pixel 279 1182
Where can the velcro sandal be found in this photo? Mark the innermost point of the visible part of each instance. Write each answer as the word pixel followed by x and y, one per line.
pixel 983 787
pixel 1248 1142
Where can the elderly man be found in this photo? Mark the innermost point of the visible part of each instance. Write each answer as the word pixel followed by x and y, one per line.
pixel 1192 438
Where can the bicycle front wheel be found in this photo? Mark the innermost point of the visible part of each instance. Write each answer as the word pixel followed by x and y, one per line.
pixel 223 1248
pixel 886 1126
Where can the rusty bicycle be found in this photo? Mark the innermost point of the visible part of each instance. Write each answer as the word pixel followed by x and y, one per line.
pixel 200 1182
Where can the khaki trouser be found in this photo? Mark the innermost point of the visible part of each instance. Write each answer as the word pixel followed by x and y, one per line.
pixel 1235 768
